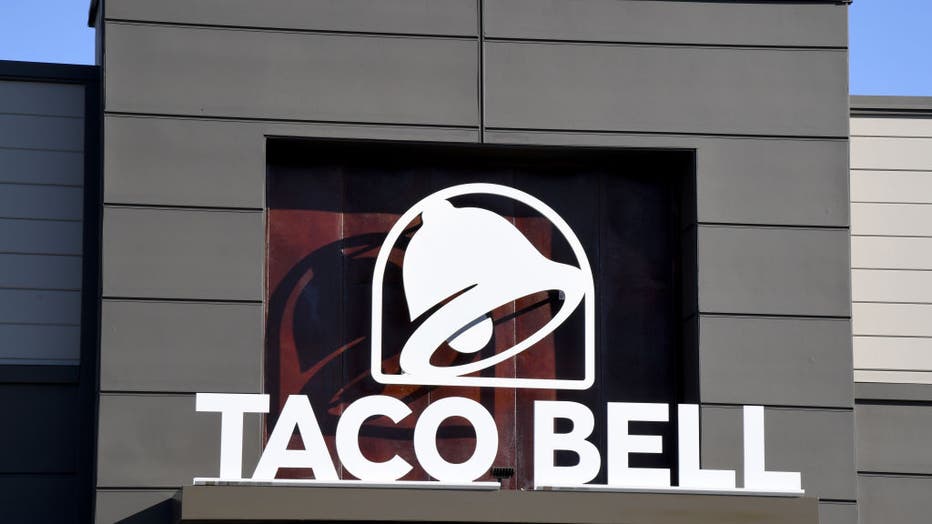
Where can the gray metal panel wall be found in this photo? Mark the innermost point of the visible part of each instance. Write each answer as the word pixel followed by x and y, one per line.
pixel 891 169
pixel 756 88
pixel 893 424
pixel 41 191
pixel 46 396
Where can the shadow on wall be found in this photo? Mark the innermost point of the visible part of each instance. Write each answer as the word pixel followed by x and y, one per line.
pixel 167 511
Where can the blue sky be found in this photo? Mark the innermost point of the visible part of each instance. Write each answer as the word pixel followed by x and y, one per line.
pixel 890 45
pixel 890 40
pixel 46 31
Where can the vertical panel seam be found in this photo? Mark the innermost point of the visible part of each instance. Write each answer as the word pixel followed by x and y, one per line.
pixel 481 33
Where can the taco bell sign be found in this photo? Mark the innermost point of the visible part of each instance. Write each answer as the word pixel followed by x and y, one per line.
pixel 451 294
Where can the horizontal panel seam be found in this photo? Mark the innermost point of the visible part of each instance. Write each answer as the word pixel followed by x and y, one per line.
pixel 749 225
pixel 892 203
pixel 893 336
pixel 610 132
pixel 33 254
pixel 128 205
pixel 41 149
pixel 771 315
pixel 208 209
pixel 40 184
pixel 40 254
pixel 838 501
pixel 469 37
pixel 845 409
pixel 905 303
pixel 40 219
pixel 34 288
pixel 908 270
pixel 893 402
pixel 341 123
pixel 43 115
pixel 470 127
pixel 891 170
pixel 868 335
pixel 905 370
pixel 918 113
pixel 31 474
pixel 50 324
pixel 40 290
pixel 649 43
pixel 182 300
pixel 860 235
pixel 921 137
pixel 904 474
pixel 34 115
pixel 163 393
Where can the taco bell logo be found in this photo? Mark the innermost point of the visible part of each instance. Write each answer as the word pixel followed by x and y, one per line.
pixel 447 262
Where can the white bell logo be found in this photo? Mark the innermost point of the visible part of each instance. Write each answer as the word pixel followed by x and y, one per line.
pixel 443 262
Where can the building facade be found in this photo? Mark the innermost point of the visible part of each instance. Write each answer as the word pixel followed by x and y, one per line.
pixel 890 160
pixel 253 161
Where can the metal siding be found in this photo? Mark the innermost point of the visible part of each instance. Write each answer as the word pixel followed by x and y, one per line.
pixel 893 377
pixel 891 219
pixel 894 438
pixel 170 253
pixel 772 271
pixel 891 153
pixel 891 248
pixel 41 202
pixel 136 505
pixel 41 143
pixel 292 76
pixel 40 271
pixel 176 346
pixel 52 237
pixel 753 360
pixel 42 132
pixel 838 513
pixel 675 90
pixel 740 181
pixel 200 162
pixel 891 252
pixel 667 22
pixel 893 499
pixel 892 320
pixel 33 344
pixel 893 353
pixel 900 392
pixel 783 178
pixel 883 126
pixel 41 98
pixel 434 17
pixel 881 285
pixel 160 441
pixel 42 167
pixel 36 306
pixel 819 443
pixel 891 186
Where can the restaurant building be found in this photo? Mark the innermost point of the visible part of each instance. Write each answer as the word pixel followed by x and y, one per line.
pixel 464 261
